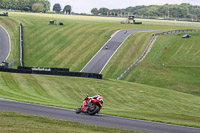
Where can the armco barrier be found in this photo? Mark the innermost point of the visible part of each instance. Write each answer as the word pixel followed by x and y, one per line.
pixel 43 69
pixel 55 71
pixel 21 45
pixel 145 51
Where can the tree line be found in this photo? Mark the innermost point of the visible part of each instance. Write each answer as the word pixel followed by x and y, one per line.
pixel 57 8
pixel 26 5
pixel 183 10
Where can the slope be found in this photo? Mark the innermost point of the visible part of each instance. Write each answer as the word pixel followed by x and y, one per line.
pixel 121 98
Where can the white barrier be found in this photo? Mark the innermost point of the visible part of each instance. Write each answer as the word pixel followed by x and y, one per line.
pixel 145 51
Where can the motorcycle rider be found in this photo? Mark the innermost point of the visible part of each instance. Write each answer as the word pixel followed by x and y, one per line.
pixel 91 105
pixel 96 97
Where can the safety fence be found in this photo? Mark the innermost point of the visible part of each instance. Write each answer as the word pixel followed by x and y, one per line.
pixel 50 71
pixel 43 70
pixel 176 31
pixel 21 45
pixel 148 46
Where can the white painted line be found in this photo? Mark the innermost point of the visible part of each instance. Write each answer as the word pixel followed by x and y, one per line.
pixel 8 40
pixel 121 45
pixel 116 49
pixel 100 49
pixel 114 53
pixel 114 33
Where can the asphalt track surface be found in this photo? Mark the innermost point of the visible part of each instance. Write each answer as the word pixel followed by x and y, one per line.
pixel 103 56
pixel 96 65
pixel 4 44
pixel 104 120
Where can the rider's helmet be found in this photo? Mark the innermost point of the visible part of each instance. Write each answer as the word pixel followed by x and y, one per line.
pixel 96 96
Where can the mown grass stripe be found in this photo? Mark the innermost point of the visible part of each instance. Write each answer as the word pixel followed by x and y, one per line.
pixel 165 65
pixel 127 54
pixel 145 102
pixel 69 92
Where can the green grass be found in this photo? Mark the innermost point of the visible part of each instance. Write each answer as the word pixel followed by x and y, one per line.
pixel 11 26
pixel 128 53
pixel 24 123
pixel 121 98
pixel 75 43
pixel 71 45
pixel 176 68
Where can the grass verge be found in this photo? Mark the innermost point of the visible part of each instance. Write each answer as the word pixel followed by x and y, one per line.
pixel 24 123
pixel 11 25
pixel 75 43
pixel 121 98
pixel 175 68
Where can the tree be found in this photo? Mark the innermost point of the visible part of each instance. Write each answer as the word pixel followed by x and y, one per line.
pixel 103 11
pixel 114 12
pixel 24 5
pixel 38 7
pixel 95 11
pixel 57 8
pixel 67 9
pixel 46 4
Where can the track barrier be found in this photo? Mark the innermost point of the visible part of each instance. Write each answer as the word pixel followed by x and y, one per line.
pixel 21 45
pixel 43 70
pixel 148 46
pixel 50 71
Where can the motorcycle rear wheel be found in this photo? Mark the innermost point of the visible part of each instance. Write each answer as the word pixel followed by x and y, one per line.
pixel 93 110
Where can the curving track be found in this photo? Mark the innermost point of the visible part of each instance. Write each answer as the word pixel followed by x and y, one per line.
pixel 5 45
pixel 103 56
pixel 96 65
pixel 104 120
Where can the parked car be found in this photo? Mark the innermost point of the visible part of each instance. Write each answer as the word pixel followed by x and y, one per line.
pixel 186 36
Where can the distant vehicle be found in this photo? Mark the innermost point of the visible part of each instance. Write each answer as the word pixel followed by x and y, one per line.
pixel 4 14
pixel 122 22
pixel 186 36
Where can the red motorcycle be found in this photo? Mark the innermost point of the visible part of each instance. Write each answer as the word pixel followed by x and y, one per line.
pixel 91 105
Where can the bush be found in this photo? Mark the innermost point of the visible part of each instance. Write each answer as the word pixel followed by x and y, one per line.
pixel 38 7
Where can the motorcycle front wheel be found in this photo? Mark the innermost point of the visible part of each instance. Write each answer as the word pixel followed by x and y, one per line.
pixel 78 110
pixel 93 109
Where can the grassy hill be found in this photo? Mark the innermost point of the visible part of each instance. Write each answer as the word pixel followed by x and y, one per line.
pixel 121 98
pixel 75 43
pixel 176 68
pixel 127 54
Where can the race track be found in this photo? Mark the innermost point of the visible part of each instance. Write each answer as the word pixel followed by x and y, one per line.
pixel 103 56
pixel 104 120
pixel 96 65
pixel 4 44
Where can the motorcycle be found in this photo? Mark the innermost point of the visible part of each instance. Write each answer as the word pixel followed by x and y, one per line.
pixel 91 105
